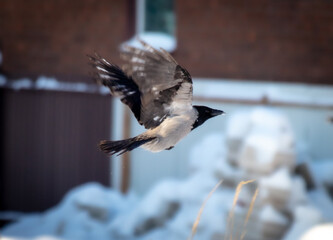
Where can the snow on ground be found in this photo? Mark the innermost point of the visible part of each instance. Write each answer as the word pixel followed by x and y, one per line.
pixel 51 84
pixel 279 180
pixel 322 232
pixel 84 213
pixel 320 198
pixel 270 214
pixel 170 208
pixel 305 218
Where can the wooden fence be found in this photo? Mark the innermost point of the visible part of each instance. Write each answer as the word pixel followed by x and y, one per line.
pixel 49 145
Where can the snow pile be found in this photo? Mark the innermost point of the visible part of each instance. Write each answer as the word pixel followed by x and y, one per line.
pixel 322 232
pixel 270 214
pixel 304 218
pixel 273 223
pixel 298 195
pixel 169 210
pixel 320 198
pixel 265 141
pixel 259 145
pixel 83 214
pixel 277 188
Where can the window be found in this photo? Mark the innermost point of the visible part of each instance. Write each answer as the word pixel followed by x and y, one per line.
pixel 155 24
pixel 159 16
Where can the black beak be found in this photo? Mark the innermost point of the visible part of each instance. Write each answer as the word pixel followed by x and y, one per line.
pixel 216 112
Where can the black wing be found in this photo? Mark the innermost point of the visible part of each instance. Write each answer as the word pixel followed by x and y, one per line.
pixel 152 84
pixel 119 83
pixel 164 85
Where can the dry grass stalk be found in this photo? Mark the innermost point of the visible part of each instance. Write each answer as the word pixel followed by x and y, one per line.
pixel 197 220
pixel 249 212
pixel 231 215
pixel 230 224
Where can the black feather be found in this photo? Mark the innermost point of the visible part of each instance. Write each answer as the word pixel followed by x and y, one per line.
pixel 119 83
pixel 122 146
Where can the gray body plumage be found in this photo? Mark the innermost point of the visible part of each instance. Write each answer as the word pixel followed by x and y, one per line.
pixel 170 131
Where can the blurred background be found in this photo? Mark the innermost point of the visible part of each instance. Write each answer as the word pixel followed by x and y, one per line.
pixel 268 64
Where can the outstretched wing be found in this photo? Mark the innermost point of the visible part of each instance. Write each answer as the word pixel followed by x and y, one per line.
pixel 119 83
pixel 165 87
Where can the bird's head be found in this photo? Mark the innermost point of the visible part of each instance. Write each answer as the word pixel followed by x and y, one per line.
pixel 205 113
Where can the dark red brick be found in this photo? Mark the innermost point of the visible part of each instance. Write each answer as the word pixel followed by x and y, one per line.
pixel 255 40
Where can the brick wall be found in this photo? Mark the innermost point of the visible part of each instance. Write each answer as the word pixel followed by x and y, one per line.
pixel 258 39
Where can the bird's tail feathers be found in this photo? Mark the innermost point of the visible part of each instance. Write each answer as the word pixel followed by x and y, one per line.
pixel 122 146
